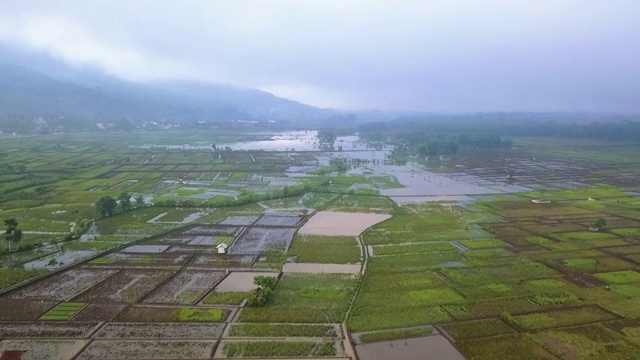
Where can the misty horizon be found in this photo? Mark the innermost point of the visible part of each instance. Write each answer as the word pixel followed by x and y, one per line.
pixel 458 57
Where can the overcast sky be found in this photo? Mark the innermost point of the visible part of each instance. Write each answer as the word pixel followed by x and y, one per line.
pixel 441 56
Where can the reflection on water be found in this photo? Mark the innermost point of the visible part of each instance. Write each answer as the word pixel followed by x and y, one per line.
pixel 304 140
pixel 60 259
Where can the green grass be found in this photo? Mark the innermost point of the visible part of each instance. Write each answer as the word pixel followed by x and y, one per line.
pixel 620 277
pixel 581 264
pixel 626 290
pixel 325 249
pixel 101 261
pixel 516 347
pixel 584 236
pixel 553 299
pixel 198 315
pixel 10 277
pixel 477 329
pixel 305 298
pixel 416 248
pixel 483 244
pixel 627 233
pixel 278 349
pixel 603 191
pixel 577 316
pixel 224 240
pixel 395 334
pixel 362 203
pixel 429 222
pixel 281 330
pixel 189 192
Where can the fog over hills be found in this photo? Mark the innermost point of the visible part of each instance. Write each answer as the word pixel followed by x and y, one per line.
pixel 35 87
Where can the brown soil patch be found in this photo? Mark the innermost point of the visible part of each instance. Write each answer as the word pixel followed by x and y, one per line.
pixel 99 312
pixel 585 281
pixel 23 310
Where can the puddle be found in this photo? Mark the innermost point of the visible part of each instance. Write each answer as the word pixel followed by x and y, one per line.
pixel 146 249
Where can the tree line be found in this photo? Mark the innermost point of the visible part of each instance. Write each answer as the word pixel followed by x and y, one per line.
pixel 620 129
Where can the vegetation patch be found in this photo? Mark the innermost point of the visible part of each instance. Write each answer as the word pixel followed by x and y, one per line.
pixel 278 349
pixel 504 347
pixel 224 240
pixel 415 248
pixel 620 277
pixel 305 298
pixel 483 244
pixel 10 277
pixel 550 319
pixel 477 329
pixel 282 330
pixel 395 334
pixel 64 311
pixel 198 315
pixel 325 249
pixel 553 299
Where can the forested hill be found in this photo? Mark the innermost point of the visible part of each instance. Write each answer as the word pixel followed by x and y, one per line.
pixel 26 95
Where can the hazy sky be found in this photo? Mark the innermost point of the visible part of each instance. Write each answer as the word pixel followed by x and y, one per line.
pixel 440 55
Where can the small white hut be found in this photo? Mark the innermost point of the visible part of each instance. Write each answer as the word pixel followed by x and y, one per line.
pixel 222 248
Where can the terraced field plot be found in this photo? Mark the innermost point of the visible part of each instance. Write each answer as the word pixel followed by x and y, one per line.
pixel 257 240
pixel 64 311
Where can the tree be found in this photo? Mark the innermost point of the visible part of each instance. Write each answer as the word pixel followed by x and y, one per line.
pixel 139 199
pixel 600 223
pixel 326 139
pixel 106 206
pixel 125 201
pixel 260 296
pixel 266 282
pixel 12 234
pixel 16 237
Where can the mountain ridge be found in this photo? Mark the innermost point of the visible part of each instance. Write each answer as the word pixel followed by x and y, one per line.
pixel 28 94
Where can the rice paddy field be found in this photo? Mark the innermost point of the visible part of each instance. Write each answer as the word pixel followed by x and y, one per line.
pixel 545 265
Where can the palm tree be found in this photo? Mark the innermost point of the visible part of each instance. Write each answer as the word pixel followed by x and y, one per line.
pixel 139 198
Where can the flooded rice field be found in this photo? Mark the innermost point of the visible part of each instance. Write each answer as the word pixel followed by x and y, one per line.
pixel 338 223
pixel 428 347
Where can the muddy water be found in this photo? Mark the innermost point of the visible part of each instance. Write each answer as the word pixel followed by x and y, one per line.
pixel 429 347
pixel 311 268
pixel 240 281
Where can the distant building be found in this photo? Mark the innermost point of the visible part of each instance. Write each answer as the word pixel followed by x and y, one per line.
pixel 222 248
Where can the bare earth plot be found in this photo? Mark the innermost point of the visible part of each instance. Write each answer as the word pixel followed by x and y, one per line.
pixel 340 223
pixel 34 349
pixel 122 349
